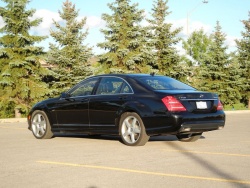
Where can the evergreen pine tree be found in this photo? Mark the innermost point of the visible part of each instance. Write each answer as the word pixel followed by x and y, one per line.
pixel 243 46
pixel 215 71
pixel 164 38
pixel 20 71
pixel 69 56
pixel 124 39
pixel 236 81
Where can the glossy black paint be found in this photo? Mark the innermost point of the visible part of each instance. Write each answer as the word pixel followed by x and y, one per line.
pixel 95 113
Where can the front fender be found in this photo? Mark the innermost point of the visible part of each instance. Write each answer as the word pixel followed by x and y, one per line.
pixel 44 108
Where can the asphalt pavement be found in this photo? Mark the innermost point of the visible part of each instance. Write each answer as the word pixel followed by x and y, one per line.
pixel 218 159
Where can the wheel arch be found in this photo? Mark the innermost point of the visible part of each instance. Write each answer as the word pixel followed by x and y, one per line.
pixel 128 107
pixel 40 108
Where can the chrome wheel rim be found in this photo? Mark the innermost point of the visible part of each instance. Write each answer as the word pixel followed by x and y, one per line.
pixel 131 129
pixel 38 125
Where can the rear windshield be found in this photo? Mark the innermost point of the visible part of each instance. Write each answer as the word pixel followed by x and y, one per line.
pixel 164 83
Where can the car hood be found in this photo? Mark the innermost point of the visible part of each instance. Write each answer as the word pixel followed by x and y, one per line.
pixel 47 101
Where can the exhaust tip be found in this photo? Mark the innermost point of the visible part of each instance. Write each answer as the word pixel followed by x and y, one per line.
pixel 220 127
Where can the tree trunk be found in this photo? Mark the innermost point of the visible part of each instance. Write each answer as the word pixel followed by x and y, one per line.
pixel 17 113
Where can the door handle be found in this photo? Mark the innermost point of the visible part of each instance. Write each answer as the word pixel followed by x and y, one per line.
pixel 84 100
pixel 123 97
pixel 70 99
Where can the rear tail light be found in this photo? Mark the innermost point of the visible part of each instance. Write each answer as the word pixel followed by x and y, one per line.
pixel 173 104
pixel 220 106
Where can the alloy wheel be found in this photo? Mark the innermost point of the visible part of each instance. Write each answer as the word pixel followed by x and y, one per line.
pixel 131 129
pixel 39 125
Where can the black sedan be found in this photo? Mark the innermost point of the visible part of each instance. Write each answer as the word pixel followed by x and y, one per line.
pixel 134 106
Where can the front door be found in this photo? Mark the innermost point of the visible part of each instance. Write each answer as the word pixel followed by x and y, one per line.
pixel 72 110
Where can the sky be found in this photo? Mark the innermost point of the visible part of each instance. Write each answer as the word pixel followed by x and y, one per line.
pixel 200 15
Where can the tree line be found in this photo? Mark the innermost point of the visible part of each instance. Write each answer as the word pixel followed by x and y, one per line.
pixel 129 47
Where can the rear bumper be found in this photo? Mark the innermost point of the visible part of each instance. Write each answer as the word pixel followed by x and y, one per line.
pixel 184 123
pixel 203 126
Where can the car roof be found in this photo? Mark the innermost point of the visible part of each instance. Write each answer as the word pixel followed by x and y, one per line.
pixel 128 75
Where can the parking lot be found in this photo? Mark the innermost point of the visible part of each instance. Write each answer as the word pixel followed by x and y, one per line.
pixel 219 159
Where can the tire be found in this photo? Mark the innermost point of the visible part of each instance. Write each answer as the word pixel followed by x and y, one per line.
pixel 132 130
pixel 93 135
pixel 189 137
pixel 40 125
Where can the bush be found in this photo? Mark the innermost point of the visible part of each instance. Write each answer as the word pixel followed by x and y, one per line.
pixel 238 106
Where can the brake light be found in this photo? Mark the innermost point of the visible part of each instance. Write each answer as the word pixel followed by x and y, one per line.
pixel 173 104
pixel 220 106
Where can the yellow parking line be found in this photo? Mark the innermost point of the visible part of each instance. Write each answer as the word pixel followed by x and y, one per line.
pixel 145 172
pixel 13 128
pixel 209 153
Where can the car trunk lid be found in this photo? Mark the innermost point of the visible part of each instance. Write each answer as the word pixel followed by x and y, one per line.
pixel 196 101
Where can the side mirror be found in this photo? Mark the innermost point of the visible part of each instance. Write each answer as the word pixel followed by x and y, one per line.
pixel 64 95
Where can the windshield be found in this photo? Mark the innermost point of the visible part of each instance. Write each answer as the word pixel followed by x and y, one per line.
pixel 164 83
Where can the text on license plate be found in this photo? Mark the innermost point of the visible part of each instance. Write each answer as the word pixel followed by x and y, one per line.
pixel 201 105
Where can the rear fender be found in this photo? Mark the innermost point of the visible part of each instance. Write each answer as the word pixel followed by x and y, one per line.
pixel 133 106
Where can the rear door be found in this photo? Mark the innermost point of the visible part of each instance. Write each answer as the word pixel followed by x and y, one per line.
pixel 110 96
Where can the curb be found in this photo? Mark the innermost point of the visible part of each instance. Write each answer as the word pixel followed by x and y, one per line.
pixel 13 120
pixel 24 120
pixel 237 111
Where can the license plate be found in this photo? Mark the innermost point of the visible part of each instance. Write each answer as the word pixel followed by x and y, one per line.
pixel 201 105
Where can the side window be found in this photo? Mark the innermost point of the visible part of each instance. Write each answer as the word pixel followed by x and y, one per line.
pixel 109 86
pixel 126 88
pixel 84 88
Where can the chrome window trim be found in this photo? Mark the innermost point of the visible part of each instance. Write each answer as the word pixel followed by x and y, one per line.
pixel 116 93
pixel 80 83
pixel 100 77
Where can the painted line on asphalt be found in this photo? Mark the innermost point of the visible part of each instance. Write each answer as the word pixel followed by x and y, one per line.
pixel 144 172
pixel 209 153
pixel 2 127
